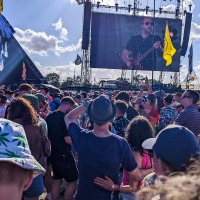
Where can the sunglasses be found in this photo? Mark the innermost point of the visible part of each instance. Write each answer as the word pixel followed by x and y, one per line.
pixel 147 23
pixel 185 97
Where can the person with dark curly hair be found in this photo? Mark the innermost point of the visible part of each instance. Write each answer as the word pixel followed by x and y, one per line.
pixel 22 112
pixel 137 131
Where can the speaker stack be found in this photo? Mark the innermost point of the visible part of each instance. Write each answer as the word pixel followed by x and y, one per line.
pixel 86 25
pixel 186 35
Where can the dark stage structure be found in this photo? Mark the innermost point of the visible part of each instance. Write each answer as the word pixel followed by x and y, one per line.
pixel 13 67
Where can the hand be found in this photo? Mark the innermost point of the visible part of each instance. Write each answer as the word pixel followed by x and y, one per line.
pixel 106 183
pixel 129 64
pixel 157 45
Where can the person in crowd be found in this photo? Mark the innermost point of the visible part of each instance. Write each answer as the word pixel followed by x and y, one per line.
pixel 25 88
pixel 84 95
pixel 138 104
pixel 100 152
pixel 3 102
pixel 56 102
pixel 190 116
pixel 34 101
pixel 160 94
pixel 178 106
pixel 43 106
pixel 95 95
pixel 22 112
pixel 185 186
pixel 17 165
pixel 138 131
pixel 150 104
pixel 78 99
pixel 177 97
pixel 172 151
pixel 141 44
pixel 83 118
pixel 120 123
pixel 61 159
pixel 67 94
pixel 131 112
pixel 45 92
pixel 9 95
pixel 150 107
pixel 168 114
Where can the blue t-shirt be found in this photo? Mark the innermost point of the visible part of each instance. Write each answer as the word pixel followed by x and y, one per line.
pixel 53 105
pixel 98 157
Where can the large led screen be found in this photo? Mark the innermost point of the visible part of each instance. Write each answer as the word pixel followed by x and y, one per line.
pixel 132 42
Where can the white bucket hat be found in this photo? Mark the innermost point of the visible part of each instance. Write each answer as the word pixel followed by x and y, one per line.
pixel 14 147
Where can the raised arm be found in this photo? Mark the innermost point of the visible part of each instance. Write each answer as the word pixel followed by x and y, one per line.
pixel 75 113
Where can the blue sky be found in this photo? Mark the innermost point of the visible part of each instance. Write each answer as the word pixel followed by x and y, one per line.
pixel 51 32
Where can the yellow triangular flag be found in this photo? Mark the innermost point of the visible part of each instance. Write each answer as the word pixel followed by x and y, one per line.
pixel 169 49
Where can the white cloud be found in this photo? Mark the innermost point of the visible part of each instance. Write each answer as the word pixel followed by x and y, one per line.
pixel 63 70
pixel 35 42
pixel 195 30
pixel 71 1
pixel 58 26
pixel 41 44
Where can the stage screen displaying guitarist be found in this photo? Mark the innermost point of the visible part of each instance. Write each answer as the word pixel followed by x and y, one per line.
pixel 138 53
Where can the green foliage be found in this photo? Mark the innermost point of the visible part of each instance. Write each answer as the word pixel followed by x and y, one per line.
pixel 53 79
pixel 76 81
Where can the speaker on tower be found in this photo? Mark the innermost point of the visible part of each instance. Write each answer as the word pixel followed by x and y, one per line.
pixel 186 34
pixel 86 25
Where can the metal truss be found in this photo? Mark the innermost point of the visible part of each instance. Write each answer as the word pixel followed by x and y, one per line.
pixel 161 77
pixel 176 79
pixel 85 68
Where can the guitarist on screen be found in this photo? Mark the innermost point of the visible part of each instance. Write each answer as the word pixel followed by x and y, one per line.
pixel 138 54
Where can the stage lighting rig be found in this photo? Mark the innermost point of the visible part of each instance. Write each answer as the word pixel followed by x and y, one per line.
pixel 82 1
pixel 129 8
pixel 98 3
pixel 160 10
pixel 116 7
pixel 190 7
pixel 177 12
pixel 147 9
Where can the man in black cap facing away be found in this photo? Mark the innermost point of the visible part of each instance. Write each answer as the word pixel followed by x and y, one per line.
pixel 100 152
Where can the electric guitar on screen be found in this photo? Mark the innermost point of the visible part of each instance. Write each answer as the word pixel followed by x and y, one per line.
pixel 136 59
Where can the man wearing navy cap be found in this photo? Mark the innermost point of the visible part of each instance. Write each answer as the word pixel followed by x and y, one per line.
pixel 171 151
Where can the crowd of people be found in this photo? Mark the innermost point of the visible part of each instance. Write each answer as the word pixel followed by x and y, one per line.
pixel 103 145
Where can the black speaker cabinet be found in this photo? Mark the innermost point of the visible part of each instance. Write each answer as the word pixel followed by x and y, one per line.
pixel 86 25
pixel 186 34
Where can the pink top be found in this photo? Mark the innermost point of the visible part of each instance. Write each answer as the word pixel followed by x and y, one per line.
pixel 146 164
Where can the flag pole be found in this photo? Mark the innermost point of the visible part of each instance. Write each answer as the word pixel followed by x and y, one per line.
pixel 154 15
